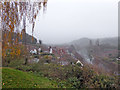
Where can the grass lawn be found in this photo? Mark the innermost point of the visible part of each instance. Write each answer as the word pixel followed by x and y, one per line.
pixel 12 78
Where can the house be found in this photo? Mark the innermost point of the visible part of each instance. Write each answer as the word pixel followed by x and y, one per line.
pixel 51 50
pixel 39 50
pixel 33 51
pixel 118 59
pixel 79 63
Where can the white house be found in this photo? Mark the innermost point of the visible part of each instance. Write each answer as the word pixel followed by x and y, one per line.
pixel 33 51
pixel 39 50
pixel 51 51
pixel 78 62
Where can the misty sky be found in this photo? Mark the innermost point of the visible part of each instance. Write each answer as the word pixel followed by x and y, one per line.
pixel 67 20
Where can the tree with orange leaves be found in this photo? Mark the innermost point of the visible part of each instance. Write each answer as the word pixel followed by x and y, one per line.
pixel 13 15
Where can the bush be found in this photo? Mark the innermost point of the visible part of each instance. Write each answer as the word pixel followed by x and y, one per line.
pixel 24 68
pixel 103 81
pixel 74 82
pixel 16 63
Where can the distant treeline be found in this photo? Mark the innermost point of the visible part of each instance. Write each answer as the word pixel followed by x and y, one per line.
pixel 26 38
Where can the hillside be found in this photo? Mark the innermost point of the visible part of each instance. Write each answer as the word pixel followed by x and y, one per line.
pixel 100 52
pixel 23 40
pixel 85 42
pixel 18 79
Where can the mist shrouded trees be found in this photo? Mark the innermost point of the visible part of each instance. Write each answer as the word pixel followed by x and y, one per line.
pixel 14 16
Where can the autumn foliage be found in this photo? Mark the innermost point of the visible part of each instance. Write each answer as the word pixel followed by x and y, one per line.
pixel 14 17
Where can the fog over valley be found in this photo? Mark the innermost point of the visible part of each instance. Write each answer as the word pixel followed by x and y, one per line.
pixel 64 21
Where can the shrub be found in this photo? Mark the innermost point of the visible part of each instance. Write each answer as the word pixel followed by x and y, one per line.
pixel 16 63
pixel 24 68
pixel 103 81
